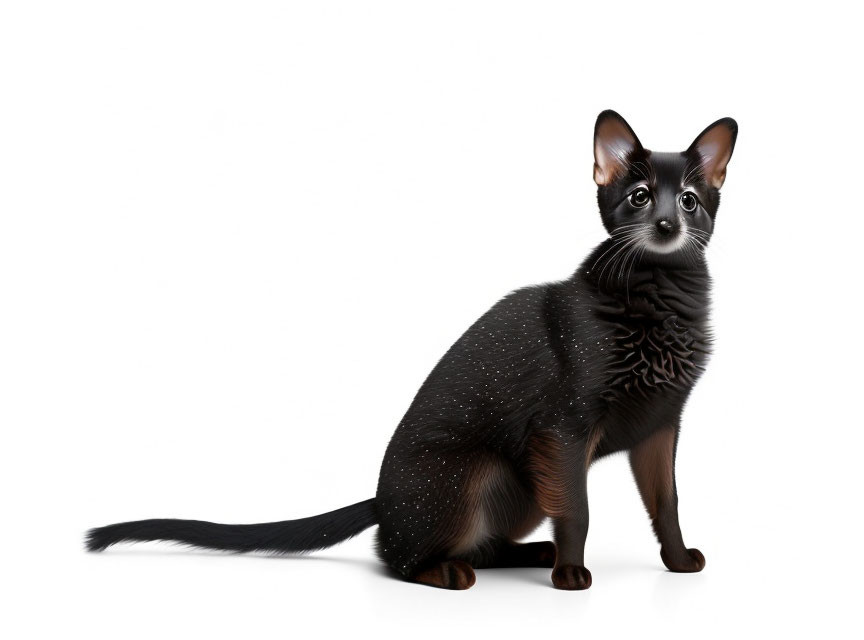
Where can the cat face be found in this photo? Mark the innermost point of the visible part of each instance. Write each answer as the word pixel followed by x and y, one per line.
pixel 664 203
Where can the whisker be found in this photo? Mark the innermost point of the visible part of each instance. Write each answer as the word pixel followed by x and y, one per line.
pixel 620 235
pixel 639 253
pixel 635 238
pixel 615 244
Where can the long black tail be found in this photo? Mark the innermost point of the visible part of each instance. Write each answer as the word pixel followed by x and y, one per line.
pixel 289 536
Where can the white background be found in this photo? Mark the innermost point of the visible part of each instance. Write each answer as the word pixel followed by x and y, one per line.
pixel 237 236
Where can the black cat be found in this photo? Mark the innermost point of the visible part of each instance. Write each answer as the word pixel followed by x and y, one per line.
pixel 553 377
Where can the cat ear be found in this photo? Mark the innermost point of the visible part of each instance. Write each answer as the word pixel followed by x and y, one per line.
pixel 713 148
pixel 614 142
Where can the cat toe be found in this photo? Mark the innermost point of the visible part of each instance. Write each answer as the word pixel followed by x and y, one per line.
pixel 571 578
pixel 691 561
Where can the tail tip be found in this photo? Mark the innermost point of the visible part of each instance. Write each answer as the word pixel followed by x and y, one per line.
pixel 94 541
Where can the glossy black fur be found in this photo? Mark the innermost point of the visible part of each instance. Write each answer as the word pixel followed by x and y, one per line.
pixel 289 536
pixel 551 378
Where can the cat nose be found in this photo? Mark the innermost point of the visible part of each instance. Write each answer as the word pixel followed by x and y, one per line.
pixel 665 227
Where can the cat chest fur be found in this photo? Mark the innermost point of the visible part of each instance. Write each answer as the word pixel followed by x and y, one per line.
pixel 652 356
pixel 660 342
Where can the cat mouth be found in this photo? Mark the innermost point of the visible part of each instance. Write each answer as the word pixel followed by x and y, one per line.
pixel 666 243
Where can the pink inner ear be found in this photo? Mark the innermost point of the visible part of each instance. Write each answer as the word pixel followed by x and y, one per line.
pixel 715 150
pixel 612 145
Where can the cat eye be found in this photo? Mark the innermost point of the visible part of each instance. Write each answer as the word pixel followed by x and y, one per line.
pixel 640 197
pixel 688 202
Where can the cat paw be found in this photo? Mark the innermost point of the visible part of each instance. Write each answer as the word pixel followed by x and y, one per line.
pixel 450 574
pixel 571 578
pixel 690 561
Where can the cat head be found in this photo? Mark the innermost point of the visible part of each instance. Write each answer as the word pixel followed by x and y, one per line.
pixel 664 203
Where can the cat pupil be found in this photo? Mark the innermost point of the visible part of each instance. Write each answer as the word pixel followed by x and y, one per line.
pixel 639 198
pixel 688 202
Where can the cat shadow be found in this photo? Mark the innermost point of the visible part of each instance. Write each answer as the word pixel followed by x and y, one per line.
pixel 185 551
pixel 610 570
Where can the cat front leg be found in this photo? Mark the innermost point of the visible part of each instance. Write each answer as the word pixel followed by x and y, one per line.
pixel 653 464
pixel 558 467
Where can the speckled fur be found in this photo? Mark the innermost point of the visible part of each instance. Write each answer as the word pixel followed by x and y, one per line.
pixel 556 358
pixel 602 360
pixel 554 376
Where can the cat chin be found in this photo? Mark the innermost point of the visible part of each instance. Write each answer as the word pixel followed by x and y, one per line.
pixel 665 248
